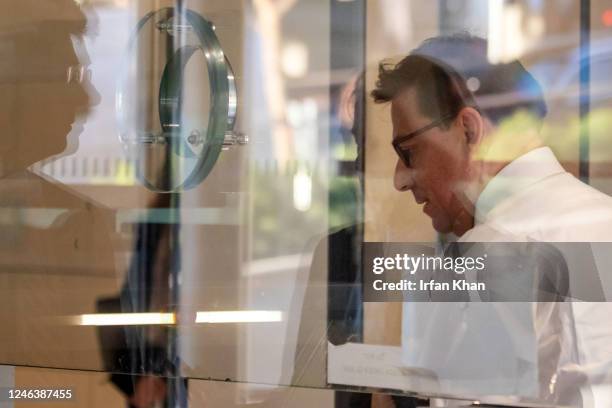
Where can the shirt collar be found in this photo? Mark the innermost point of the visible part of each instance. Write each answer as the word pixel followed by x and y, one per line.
pixel 519 174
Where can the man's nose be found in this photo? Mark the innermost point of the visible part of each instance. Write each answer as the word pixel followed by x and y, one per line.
pixel 84 97
pixel 403 179
pixel 91 94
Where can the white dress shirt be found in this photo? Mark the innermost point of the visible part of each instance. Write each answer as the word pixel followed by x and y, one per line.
pixel 549 352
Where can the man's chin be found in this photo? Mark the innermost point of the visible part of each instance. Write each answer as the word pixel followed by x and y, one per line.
pixel 72 140
pixel 441 226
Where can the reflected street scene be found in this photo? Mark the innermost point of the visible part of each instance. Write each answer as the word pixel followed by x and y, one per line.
pixel 297 203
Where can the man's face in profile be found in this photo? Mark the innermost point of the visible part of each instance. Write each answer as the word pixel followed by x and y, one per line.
pixel 45 83
pixel 439 161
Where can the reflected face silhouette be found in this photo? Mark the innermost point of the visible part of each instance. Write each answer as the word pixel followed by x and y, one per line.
pixel 47 86
pixel 439 160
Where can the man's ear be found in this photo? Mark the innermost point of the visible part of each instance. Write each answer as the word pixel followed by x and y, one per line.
pixel 472 124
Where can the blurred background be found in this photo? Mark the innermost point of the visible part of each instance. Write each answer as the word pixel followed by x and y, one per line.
pixel 248 238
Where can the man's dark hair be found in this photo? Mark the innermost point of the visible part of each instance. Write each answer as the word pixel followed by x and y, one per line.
pixel 440 92
pixel 440 70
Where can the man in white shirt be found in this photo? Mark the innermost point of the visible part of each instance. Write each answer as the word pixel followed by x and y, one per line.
pixel 485 185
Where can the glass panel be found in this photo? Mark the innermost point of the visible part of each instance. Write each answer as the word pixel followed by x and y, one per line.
pixel 207 190
pixel 600 96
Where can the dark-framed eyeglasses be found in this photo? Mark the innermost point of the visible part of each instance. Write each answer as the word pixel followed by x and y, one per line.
pixel 404 152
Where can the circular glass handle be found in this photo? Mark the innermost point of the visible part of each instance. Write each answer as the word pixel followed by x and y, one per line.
pixel 174 133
